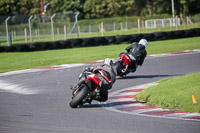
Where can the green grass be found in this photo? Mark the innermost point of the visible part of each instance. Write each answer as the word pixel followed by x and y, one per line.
pixel 24 60
pixel 174 93
pixel 167 46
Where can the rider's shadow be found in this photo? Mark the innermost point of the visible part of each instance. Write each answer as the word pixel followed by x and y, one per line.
pixel 146 76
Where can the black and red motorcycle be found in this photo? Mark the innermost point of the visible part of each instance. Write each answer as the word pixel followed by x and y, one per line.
pixel 123 63
pixel 85 89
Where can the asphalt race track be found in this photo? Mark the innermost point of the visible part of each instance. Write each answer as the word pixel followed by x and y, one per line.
pixel 38 102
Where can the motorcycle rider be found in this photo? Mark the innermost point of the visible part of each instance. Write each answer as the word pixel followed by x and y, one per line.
pixel 107 74
pixel 137 53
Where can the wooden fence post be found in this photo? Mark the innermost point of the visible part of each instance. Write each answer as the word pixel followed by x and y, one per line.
pixel 176 22
pixel 99 27
pixel 102 29
pixel 25 33
pixel 65 32
pixel 121 25
pixel 142 23
pixel 36 34
pixel 38 31
pixel 79 30
pixel 187 20
pixel 139 28
pixel 58 31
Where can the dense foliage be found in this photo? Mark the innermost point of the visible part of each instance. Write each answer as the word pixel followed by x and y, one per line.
pixel 101 8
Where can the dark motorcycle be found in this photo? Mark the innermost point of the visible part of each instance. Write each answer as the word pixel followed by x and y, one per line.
pixel 85 89
pixel 122 64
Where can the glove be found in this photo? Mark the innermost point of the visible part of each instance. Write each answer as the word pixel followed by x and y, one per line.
pixel 89 69
pixel 108 62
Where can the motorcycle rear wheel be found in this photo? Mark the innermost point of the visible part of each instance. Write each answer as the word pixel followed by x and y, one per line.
pixel 78 99
pixel 119 68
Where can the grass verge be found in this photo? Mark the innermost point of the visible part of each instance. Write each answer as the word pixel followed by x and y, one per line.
pixel 174 93
pixel 24 60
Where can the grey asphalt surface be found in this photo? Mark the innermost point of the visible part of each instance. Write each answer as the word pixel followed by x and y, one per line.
pixel 48 111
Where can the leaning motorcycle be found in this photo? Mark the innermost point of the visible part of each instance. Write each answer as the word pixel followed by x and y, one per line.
pixel 122 64
pixel 85 89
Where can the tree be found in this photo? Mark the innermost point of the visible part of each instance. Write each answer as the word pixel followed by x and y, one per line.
pixel 98 8
pixel 27 7
pixel 101 8
pixel 19 7
pixel 188 7
pixel 67 5
pixel 8 7
pixel 153 7
pixel 108 8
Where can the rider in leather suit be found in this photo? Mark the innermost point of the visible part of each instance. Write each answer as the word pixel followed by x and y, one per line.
pixel 137 53
pixel 107 73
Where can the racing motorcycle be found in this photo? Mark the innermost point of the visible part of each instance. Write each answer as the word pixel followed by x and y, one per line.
pixel 123 63
pixel 86 88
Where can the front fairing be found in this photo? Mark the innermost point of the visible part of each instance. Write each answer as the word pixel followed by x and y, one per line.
pixel 90 79
pixel 81 80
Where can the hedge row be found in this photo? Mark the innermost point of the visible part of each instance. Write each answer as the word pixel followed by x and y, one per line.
pixel 96 41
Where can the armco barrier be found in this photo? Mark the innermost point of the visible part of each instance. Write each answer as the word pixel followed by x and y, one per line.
pixel 96 41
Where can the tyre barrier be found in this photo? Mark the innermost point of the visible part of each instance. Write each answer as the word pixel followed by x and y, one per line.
pixel 111 39
pixel 149 36
pixel 123 39
pixel 97 41
pixel 100 41
pixel 88 42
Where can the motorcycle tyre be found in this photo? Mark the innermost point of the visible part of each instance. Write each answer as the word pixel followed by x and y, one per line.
pixel 119 69
pixel 77 100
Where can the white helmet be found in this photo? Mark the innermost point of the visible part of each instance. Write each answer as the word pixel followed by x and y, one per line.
pixel 143 42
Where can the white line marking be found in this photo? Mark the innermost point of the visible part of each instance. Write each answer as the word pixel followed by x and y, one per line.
pixel 69 65
pixel 39 69
pixel 16 88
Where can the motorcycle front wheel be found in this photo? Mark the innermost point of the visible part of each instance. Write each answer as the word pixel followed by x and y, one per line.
pixel 78 99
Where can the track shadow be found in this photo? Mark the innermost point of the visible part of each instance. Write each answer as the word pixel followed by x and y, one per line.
pixel 112 104
pixel 146 76
pixel 91 106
